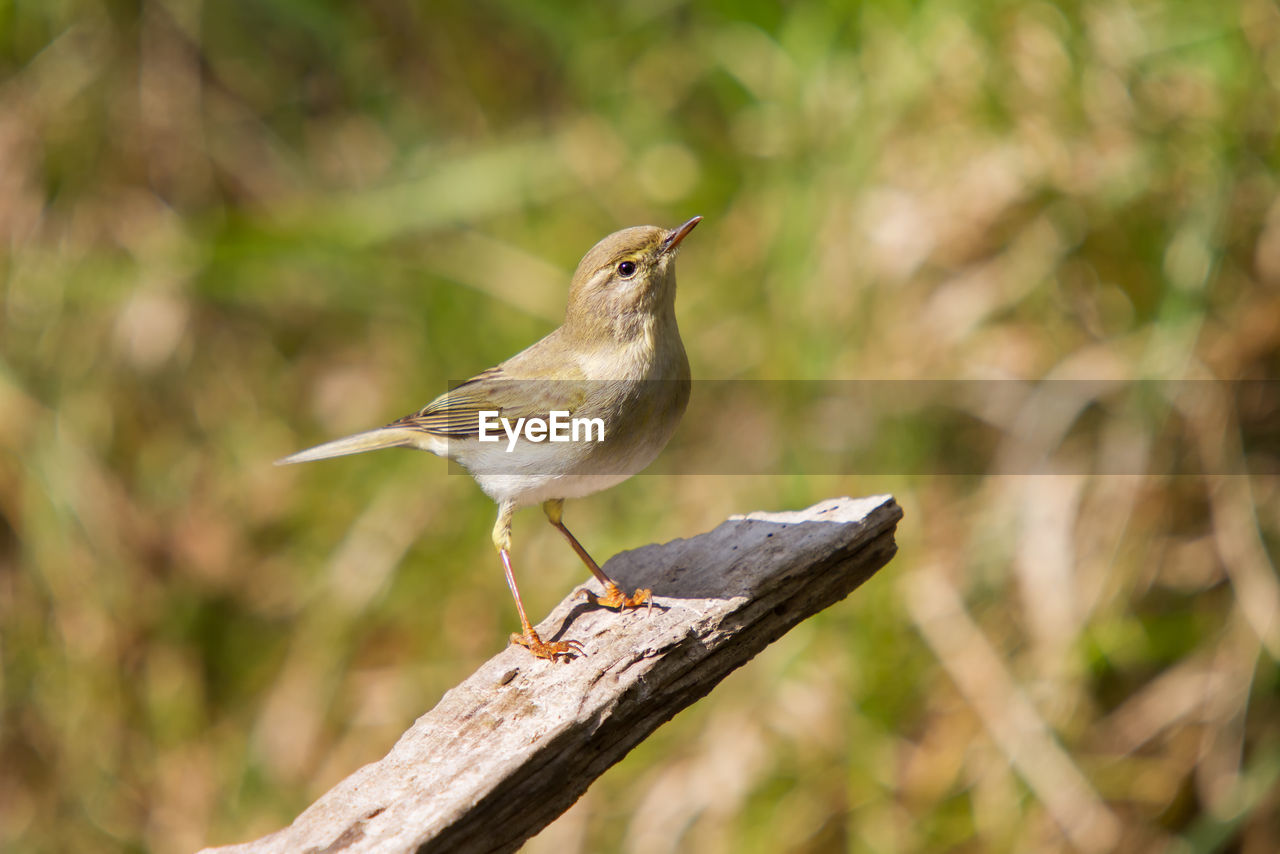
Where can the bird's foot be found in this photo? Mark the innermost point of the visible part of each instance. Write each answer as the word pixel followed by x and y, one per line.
pixel 614 598
pixel 550 650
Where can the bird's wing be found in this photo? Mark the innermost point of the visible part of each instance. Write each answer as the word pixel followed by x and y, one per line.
pixel 456 413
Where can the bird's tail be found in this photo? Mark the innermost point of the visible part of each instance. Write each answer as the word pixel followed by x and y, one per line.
pixel 370 440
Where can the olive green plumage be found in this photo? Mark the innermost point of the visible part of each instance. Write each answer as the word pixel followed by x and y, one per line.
pixel 617 358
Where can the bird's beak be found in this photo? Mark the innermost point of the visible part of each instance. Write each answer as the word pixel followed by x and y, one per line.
pixel 675 235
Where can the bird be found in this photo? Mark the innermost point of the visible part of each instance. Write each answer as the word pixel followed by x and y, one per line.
pixel 616 367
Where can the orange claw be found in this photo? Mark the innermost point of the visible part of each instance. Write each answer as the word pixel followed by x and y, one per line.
pixel 551 651
pixel 614 598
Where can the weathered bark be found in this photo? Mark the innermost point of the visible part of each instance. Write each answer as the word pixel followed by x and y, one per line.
pixel 519 741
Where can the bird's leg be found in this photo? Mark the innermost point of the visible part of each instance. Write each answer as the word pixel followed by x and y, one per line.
pixel 613 596
pixel 551 650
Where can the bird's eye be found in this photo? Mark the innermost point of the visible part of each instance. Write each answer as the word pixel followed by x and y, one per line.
pixel 627 269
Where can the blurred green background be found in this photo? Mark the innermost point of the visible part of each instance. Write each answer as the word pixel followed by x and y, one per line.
pixel 229 230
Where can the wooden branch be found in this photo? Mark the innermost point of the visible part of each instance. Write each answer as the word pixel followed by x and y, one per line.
pixel 519 741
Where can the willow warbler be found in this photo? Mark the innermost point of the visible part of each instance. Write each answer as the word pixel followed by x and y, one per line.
pixel 616 369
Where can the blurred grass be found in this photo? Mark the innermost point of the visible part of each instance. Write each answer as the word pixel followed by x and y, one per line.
pixel 233 229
